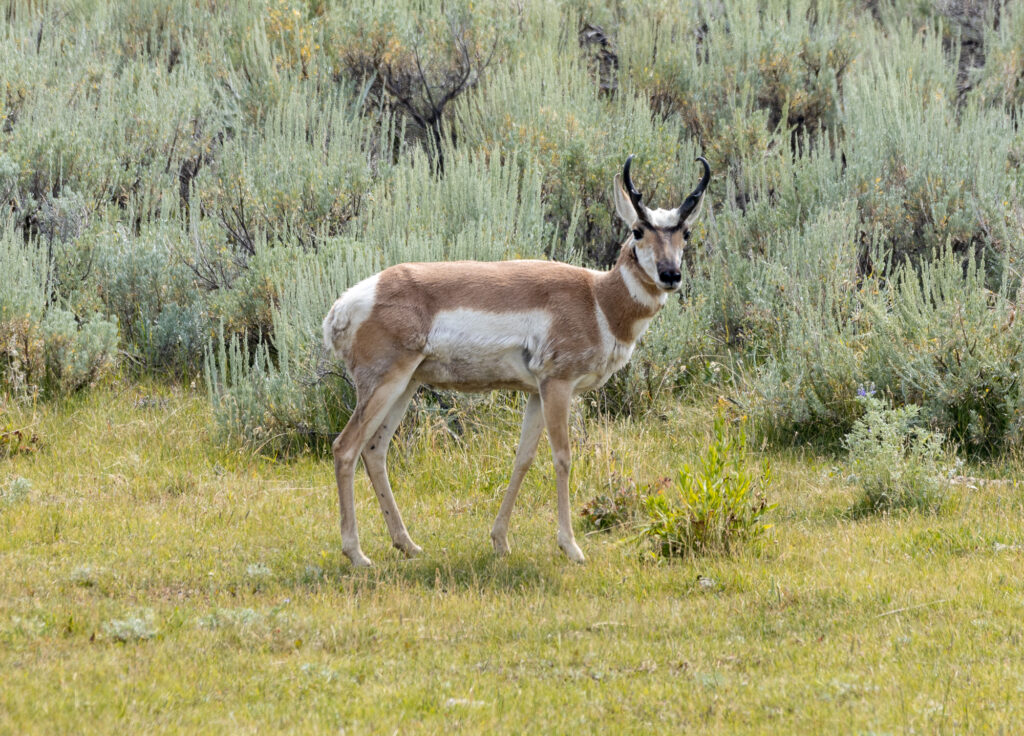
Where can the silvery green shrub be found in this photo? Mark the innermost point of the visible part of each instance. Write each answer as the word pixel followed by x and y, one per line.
pixel 1001 79
pixel 43 348
pixel 735 73
pixel 940 339
pixel 132 628
pixel 896 462
pixel 298 175
pixel 76 355
pixel 15 490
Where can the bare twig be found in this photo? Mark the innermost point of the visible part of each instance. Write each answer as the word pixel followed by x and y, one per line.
pixel 912 608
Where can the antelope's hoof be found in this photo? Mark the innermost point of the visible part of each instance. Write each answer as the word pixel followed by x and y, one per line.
pixel 409 548
pixel 358 558
pixel 500 542
pixel 573 552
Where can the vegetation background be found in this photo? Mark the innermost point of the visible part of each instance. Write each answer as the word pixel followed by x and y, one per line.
pixel 186 186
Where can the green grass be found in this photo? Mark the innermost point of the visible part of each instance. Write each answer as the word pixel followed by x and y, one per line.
pixel 156 581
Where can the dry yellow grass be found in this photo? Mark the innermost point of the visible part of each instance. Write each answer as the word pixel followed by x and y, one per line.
pixel 156 581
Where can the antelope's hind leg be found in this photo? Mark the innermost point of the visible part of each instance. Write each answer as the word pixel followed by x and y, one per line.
pixel 375 461
pixel 373 405
pixel 533 425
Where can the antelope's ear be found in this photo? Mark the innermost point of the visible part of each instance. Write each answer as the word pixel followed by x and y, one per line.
pixel 623 207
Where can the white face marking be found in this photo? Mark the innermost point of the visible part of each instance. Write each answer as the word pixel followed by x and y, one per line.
pixel 636 290
pixel 348 312
pixel 663 218
pixel 645 255
pixel 646 258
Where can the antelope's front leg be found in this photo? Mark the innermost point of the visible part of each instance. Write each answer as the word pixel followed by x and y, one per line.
pixel 555 397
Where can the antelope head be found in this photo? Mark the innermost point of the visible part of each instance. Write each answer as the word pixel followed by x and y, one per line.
pixel 659 236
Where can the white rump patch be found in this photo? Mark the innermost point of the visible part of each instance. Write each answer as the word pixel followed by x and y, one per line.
pixel 349 311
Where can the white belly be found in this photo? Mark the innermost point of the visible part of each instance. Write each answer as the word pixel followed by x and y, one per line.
pixel 472 349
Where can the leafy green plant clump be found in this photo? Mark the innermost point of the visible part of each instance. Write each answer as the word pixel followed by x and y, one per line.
pixel 896 462
pixel 714 506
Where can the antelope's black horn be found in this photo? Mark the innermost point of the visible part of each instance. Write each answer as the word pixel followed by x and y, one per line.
pixel 693 200
pixel 634 195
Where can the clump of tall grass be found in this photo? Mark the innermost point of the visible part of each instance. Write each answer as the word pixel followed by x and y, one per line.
pixel 18 431
pixel 621 505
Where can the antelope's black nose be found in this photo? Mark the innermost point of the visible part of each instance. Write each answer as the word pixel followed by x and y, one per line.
pixel 670 277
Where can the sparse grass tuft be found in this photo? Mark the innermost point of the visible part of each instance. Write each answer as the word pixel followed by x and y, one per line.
pixel 621 505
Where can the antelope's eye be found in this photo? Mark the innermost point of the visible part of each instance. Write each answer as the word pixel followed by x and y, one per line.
pixel 686 234
pixel 638 234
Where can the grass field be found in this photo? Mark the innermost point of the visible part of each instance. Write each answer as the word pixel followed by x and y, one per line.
pixel 157 581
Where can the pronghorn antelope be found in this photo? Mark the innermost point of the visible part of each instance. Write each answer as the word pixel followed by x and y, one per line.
pixel 549 329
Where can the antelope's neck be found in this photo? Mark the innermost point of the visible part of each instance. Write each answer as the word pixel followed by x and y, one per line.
pixel 627 297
